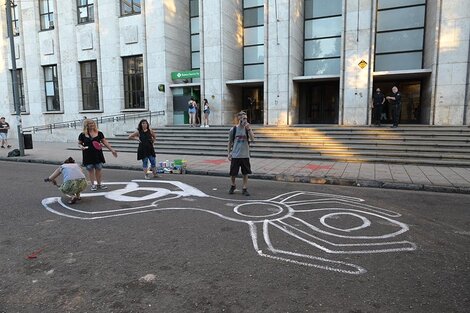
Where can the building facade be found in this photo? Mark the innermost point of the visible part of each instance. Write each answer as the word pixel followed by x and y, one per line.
pixel 285 62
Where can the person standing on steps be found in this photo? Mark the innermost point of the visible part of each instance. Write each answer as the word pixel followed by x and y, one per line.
pixel 239 151
pixel 207 112
pixel 377 106
pixel 192 109
pixel 90 141
pixel 395 102
pixel 145 152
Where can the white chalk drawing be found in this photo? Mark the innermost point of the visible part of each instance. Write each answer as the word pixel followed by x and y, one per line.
pixel 315 221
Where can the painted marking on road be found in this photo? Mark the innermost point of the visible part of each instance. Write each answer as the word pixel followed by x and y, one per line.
pixel 301 215
pixel 215 161
pixel 365 221
pixel 314 167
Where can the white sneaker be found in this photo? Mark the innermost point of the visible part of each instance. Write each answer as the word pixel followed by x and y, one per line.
pixel 207 125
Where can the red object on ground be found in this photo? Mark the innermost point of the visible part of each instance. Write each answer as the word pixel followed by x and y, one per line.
pixel 314 167
pixel 215 162
pixel 34 254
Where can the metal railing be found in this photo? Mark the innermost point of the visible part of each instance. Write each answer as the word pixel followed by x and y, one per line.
pixel 122 117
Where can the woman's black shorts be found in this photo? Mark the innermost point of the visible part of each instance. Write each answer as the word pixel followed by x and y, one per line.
pixel 236 164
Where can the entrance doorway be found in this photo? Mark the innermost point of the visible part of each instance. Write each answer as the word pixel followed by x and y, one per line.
pixel 410 100
pixel 253 104
pixel 319 103
pixel 181 97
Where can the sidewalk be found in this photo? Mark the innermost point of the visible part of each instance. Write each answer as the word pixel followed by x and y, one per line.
pixel 391 176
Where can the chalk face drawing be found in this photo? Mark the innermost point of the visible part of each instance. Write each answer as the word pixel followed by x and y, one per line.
pixel 319 223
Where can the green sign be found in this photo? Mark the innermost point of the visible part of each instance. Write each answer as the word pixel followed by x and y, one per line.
pixel 185 74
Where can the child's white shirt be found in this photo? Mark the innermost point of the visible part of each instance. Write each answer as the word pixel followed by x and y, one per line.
pixel 71 171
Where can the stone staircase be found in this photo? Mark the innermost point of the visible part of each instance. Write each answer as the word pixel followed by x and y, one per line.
pixel 426 145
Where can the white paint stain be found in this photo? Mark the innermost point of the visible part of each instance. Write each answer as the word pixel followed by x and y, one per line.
pixel 149 278
pixel 304 216
pixel 50 272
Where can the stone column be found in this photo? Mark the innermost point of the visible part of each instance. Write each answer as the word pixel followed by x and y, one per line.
pixel 110 57
pixel 452 69
pixel 277 79
pixel 355 82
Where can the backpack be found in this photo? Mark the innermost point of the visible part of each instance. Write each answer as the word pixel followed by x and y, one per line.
pixel 234 132
pixel 14 153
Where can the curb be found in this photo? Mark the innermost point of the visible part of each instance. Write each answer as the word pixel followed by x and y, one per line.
pixel 290 178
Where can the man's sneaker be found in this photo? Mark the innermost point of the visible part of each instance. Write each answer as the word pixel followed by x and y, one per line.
pixel 102 187
pixel 8 146
pixel 93 188
pixel 232 190
pixel 245 192
pixel 3 147
pixel 147 176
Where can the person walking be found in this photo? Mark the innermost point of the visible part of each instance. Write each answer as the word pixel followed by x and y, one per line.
pixel 377 105
pixel 239 151
pixel 207 112
pixel 192 112
pixel 74 181
pixel 145 152
pixel 395 102
pixel 4 127
pixel 90 141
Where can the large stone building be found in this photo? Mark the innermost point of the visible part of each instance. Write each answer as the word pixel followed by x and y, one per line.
pixel 286 62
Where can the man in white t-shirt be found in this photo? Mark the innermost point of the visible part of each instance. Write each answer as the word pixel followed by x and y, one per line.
pixel 4 127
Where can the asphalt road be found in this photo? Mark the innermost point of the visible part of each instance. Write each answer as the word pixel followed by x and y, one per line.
pixel 182 244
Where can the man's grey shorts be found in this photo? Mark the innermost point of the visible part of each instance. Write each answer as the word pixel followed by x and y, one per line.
pixel 3 136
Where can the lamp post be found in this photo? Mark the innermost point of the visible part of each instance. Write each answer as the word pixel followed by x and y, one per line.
pixel 16 99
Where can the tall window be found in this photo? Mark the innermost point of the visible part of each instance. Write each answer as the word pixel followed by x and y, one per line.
pixel 46 14
pixel 14 18
pixel 253 39
pixel 322 37
pixel 51 88
pixel 129 7
pixel 20 84
pixel 194 28
pixel 89 85
pixel 86 11
pixel 399 38
pixel 134 82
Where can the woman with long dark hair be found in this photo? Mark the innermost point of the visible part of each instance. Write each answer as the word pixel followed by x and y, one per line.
pixel 145 152
pixel 207 112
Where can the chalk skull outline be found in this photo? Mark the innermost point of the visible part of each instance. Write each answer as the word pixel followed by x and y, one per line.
pixel 305 216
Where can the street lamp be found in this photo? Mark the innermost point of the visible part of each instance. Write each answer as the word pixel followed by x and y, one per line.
pixel 16 99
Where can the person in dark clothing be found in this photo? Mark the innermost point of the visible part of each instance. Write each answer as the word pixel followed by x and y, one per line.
pixel 377 105
pixel 145 152
pixel 395 102
pixel 4 127
pixel 90 141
